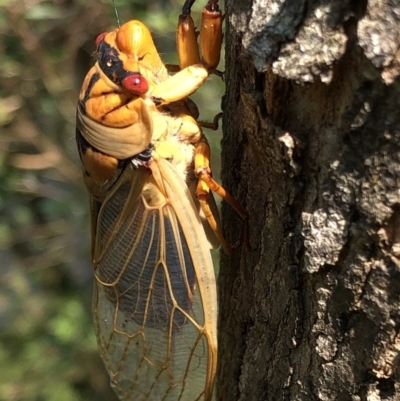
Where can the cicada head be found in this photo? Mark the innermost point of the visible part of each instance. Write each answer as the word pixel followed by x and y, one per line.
pixel 129 58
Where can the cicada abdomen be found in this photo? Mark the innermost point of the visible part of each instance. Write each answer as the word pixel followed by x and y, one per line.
pixel 145 164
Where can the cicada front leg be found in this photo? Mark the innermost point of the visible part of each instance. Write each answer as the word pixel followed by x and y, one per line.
pixel 210 36
pixel 194 69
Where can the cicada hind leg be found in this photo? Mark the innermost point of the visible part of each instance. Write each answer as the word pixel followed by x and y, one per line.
pixel 205 184
pixel 210 36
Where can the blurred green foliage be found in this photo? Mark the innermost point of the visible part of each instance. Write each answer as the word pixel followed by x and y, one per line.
pixel 47 347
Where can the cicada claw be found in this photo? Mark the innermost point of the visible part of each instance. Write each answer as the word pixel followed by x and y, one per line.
pixel 244 237
pixel 211 125
pixel 187 7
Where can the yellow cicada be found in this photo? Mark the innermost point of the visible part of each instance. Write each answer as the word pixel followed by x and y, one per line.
pixel 145 164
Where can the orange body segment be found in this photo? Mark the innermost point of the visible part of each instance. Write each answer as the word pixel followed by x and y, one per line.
pixel 211 38
pixel 186 42
pixel 97 168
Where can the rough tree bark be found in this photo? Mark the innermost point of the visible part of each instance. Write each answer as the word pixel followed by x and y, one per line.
pixel 312 149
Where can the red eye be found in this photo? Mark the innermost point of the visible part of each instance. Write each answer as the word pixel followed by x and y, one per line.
pixel 100 38
pixel 135 84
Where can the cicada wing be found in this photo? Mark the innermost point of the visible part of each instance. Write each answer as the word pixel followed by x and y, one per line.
pixel 151 320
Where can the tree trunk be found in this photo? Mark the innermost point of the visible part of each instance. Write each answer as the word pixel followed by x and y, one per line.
pixel 311 148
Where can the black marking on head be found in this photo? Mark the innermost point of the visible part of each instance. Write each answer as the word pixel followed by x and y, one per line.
pixel 93 79
pixel 110 63
pixel 82 108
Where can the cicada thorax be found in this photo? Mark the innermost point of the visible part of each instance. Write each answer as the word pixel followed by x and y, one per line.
pixel 114 118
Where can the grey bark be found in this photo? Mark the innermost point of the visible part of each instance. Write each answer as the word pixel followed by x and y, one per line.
pixel 311 148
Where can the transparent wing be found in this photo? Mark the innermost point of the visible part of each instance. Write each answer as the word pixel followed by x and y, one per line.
pixel 154 317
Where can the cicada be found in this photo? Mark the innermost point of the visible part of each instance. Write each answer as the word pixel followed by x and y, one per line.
pixel 145 163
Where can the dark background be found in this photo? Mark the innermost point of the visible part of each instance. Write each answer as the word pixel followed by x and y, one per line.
pixel 48 350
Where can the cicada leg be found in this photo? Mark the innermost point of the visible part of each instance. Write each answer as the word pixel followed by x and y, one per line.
pixel 194 70
pixel 206 183
pixel 211 125
pixel 210 36
pixel 186 40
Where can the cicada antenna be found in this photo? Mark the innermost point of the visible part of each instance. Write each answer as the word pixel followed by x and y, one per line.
pixel 116 14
